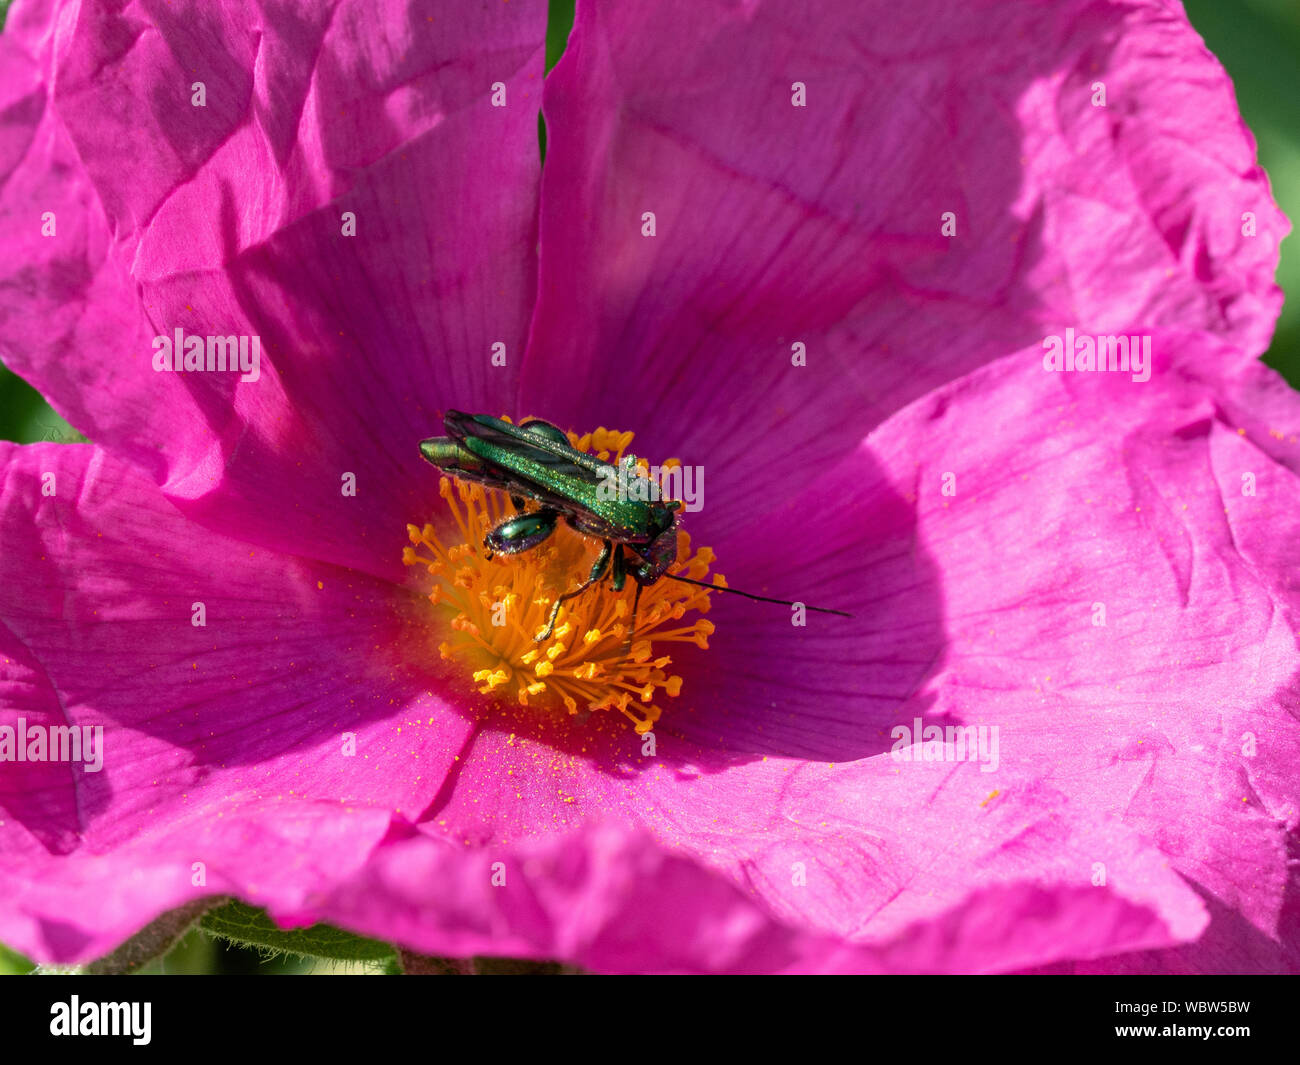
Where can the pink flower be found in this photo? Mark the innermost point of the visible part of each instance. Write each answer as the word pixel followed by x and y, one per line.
pixel 819 259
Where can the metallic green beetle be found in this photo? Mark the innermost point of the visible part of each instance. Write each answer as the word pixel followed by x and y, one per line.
pixel 534 461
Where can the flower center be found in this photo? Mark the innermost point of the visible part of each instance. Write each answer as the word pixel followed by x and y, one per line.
pixel 496 606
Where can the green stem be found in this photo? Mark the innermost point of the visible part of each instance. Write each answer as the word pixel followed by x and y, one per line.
pixel 153 940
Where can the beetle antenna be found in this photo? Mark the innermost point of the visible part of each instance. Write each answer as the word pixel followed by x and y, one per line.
pixel 750 595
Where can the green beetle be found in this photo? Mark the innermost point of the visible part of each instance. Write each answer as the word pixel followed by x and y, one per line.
pixel 534 461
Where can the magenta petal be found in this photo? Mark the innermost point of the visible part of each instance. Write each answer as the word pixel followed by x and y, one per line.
pixel 1117 602
pixel 873 853
pixel 1155 749
pixel 224 744
pixel 613 901
pixel 229 219
pixel 821 225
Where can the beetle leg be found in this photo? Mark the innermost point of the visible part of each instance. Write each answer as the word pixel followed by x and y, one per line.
pixel 631 629
pixel 619 576
pixel 597 571
pixel 521 532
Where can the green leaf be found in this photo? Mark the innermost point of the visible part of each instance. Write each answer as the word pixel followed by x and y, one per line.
pixel 12 963
pixel 559 24
pixel 248 926
pixel 1257 42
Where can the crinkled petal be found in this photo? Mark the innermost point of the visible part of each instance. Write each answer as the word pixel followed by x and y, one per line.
pixel 233 219
pixel 611 900
pixel 1101 583
pixel 263 752
pixel 821 225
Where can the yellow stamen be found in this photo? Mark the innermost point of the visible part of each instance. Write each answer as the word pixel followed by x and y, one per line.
pixel 495 607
